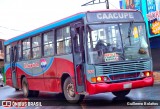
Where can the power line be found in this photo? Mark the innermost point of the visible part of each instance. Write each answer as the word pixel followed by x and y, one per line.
pixel 93 2
pixel 11 29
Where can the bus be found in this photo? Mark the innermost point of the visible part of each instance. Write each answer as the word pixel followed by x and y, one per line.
pixel 151 12
pixel 87 53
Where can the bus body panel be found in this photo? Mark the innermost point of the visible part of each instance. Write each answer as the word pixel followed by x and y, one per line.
pixel 45 74
pixel 48 79
pixel 64 65
pixel 117 77
pixel 105 87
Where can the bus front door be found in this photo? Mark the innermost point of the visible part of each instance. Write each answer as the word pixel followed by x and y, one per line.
pixel 78 57
pixel 13 66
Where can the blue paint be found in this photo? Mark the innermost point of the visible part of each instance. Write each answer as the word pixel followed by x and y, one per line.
pixel 30 73
pixel 6 68
pixel 20 67
pixel 45 28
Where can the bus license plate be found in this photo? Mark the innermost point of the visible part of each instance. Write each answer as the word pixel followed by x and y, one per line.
pixel 128 85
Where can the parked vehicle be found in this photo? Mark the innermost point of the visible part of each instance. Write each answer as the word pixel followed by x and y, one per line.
pixel 1 81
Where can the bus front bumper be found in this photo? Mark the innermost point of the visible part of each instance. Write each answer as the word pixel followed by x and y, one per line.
pixel 104 87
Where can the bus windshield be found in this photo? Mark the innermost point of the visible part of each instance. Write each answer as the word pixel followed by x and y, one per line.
pixel 117 42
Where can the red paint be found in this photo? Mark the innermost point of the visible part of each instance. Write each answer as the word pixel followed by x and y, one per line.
pixel 50 78
pixel 64 66
pixel 9 81
pixel 104 87
pixel 49 81
pixel 79 78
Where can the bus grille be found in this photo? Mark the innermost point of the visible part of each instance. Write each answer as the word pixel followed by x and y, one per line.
pixel 124 67
pixel 124 76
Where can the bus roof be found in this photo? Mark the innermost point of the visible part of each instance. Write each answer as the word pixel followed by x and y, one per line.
pixel 58 23
pixel 46 27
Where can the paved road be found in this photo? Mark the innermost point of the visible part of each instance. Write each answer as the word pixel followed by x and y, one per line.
pixel 101 101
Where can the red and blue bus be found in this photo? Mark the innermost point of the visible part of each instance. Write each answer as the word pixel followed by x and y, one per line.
pixel 87 53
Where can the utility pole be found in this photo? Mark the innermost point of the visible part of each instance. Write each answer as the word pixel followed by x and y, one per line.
pixel 93 2
pixel 107 4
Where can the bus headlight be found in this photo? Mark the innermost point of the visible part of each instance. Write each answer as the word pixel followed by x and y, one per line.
pixel 93 79
pixel 147 74
pixel 100 79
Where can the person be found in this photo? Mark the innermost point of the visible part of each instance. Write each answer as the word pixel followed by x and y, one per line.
pixel 100 47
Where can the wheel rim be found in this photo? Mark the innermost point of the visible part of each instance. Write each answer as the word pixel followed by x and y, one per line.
pixel 25 89
pixel 70 90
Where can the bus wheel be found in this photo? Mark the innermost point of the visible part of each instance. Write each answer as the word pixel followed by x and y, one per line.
pixel 69 93
pixel 26 91
pixel 121 93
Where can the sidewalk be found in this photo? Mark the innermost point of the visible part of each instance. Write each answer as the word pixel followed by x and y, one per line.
pixel 156 77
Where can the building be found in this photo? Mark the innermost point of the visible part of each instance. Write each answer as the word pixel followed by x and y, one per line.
pixel 151 13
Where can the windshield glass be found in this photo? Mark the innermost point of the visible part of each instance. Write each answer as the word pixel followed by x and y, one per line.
pixel 134 40
pixel 116 42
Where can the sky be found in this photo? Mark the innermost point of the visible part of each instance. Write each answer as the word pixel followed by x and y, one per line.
pixel 20 16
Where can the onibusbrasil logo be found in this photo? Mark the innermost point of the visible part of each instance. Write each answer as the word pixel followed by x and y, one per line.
pixel 20 103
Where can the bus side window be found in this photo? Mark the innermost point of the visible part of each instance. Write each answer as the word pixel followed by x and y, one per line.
pixel 77 47
pixel 36 46
pixel 68 46
pixel 7 59
pixel 79 40
pixel 19 52
pixel 48 43
pixel 26 49
pixel 63 40
pixel 60 48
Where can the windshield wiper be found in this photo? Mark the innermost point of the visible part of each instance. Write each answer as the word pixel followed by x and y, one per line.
pixel 129 32
pixel 130 29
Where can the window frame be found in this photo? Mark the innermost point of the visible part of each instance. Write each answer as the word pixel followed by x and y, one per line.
pixel 7 61
pixel 39 46
pixel 28 58
pixel 63 40
pixel 19 52
pixel 53 43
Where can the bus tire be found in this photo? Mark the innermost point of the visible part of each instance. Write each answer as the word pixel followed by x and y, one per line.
pixel 68 89
pixel 26 91
pixel 121 93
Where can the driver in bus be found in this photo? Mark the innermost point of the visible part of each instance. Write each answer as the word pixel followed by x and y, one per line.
pixel 103 48
pixel 100 47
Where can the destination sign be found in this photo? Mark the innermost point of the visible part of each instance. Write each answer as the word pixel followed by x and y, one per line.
pixel 114 16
